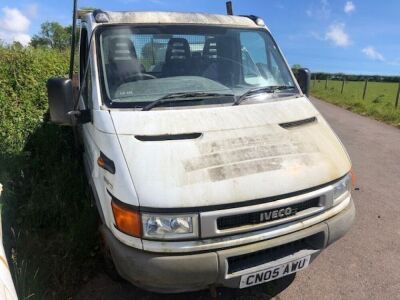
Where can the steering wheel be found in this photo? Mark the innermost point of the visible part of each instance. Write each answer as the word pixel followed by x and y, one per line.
pixel 142 76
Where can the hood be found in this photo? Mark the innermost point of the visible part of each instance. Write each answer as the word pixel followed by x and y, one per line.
pixel 211 156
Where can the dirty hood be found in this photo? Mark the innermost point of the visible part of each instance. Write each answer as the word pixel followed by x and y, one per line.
pixel 243 153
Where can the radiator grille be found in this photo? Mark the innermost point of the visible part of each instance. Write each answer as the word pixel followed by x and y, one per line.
pixel 254 218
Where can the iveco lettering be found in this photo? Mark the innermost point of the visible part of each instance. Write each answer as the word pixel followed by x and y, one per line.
pixel 208 164
pixel 276 214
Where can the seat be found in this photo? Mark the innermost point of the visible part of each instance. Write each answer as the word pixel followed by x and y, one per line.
pixel 177 58
pixel 210 50
pixel 196 63
pixel 123 63
pixel 210 59
pixel 220 58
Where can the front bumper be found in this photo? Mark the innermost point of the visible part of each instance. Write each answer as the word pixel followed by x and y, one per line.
pixel 170 273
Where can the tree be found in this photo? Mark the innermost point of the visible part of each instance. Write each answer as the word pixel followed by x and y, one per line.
pixel 296 66
pixel 17 45
pixel 52 35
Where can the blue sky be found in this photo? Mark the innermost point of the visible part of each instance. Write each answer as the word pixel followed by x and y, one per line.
pixel 359 36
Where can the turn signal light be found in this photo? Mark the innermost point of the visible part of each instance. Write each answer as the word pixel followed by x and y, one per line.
pixel 126 219
pixel 353 178
pixel 106 163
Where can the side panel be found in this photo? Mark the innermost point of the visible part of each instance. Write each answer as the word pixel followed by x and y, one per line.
pixel 99 136
pixel 119 184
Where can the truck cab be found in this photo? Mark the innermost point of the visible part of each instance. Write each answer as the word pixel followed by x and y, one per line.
pixel 208 163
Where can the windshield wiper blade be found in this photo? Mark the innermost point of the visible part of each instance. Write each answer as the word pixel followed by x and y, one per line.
pixel 254 91
pixel 260 90
pixel 193 96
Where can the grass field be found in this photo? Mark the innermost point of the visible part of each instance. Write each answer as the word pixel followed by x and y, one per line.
pixel 379 102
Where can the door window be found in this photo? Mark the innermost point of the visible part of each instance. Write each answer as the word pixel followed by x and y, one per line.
pixel 85 83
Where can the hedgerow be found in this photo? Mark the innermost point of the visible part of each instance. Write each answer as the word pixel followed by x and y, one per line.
pixel 48 222
pixel 23 99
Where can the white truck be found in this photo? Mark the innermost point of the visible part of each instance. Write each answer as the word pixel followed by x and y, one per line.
pixel 208 163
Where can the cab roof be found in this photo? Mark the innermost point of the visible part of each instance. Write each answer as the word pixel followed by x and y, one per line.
pixel 174 18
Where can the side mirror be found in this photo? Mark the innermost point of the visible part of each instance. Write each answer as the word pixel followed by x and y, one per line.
pixel 303 77
pixel 61 101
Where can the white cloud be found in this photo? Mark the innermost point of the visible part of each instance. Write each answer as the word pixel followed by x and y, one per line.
pixel 23 38
pixel 372 53
pixel 14 26
pixel 349 7
pixel 321 11
pixel 337 35
pixel 13 20
pixel 10 37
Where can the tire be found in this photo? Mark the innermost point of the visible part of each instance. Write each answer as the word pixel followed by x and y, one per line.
pixel 109 266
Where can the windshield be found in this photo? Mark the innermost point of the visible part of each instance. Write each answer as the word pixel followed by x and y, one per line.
pixel 142 64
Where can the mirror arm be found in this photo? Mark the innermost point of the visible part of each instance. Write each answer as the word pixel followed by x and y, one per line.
pixel 82 116
pixel 71 60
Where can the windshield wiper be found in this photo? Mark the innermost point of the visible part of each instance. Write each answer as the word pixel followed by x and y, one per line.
pixel 193 96
pixel 261 90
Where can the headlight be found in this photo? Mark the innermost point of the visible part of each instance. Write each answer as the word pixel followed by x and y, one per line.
pixel 341 188
pixel 170 227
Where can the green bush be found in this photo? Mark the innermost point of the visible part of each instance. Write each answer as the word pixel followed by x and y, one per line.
pixel 23 99
pixel 49 224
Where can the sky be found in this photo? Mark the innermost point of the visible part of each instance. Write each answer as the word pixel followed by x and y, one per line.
pixel 355 37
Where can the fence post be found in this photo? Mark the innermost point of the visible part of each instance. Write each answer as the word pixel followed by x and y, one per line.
pixel 342 85
pixel 398 96
pixel 365 88
pixel 326 82
pixel 315 79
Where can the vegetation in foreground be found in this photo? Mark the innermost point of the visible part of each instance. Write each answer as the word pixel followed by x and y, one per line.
pixel 49 226
pixel 379 102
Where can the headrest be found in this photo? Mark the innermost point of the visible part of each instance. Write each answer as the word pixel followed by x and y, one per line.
pixel 121 50
pixel 177 49
pixel 210 48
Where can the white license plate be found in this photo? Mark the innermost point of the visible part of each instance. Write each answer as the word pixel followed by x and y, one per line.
pixel 274 272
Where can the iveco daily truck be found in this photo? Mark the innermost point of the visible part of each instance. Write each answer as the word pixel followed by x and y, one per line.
pixel 208 163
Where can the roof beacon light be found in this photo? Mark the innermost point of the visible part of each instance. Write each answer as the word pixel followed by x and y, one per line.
pixel 260 22
pixel 255 19
pixel 101 16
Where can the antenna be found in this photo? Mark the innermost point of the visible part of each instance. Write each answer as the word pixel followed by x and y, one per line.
pixel 71 59
pixel 229 9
